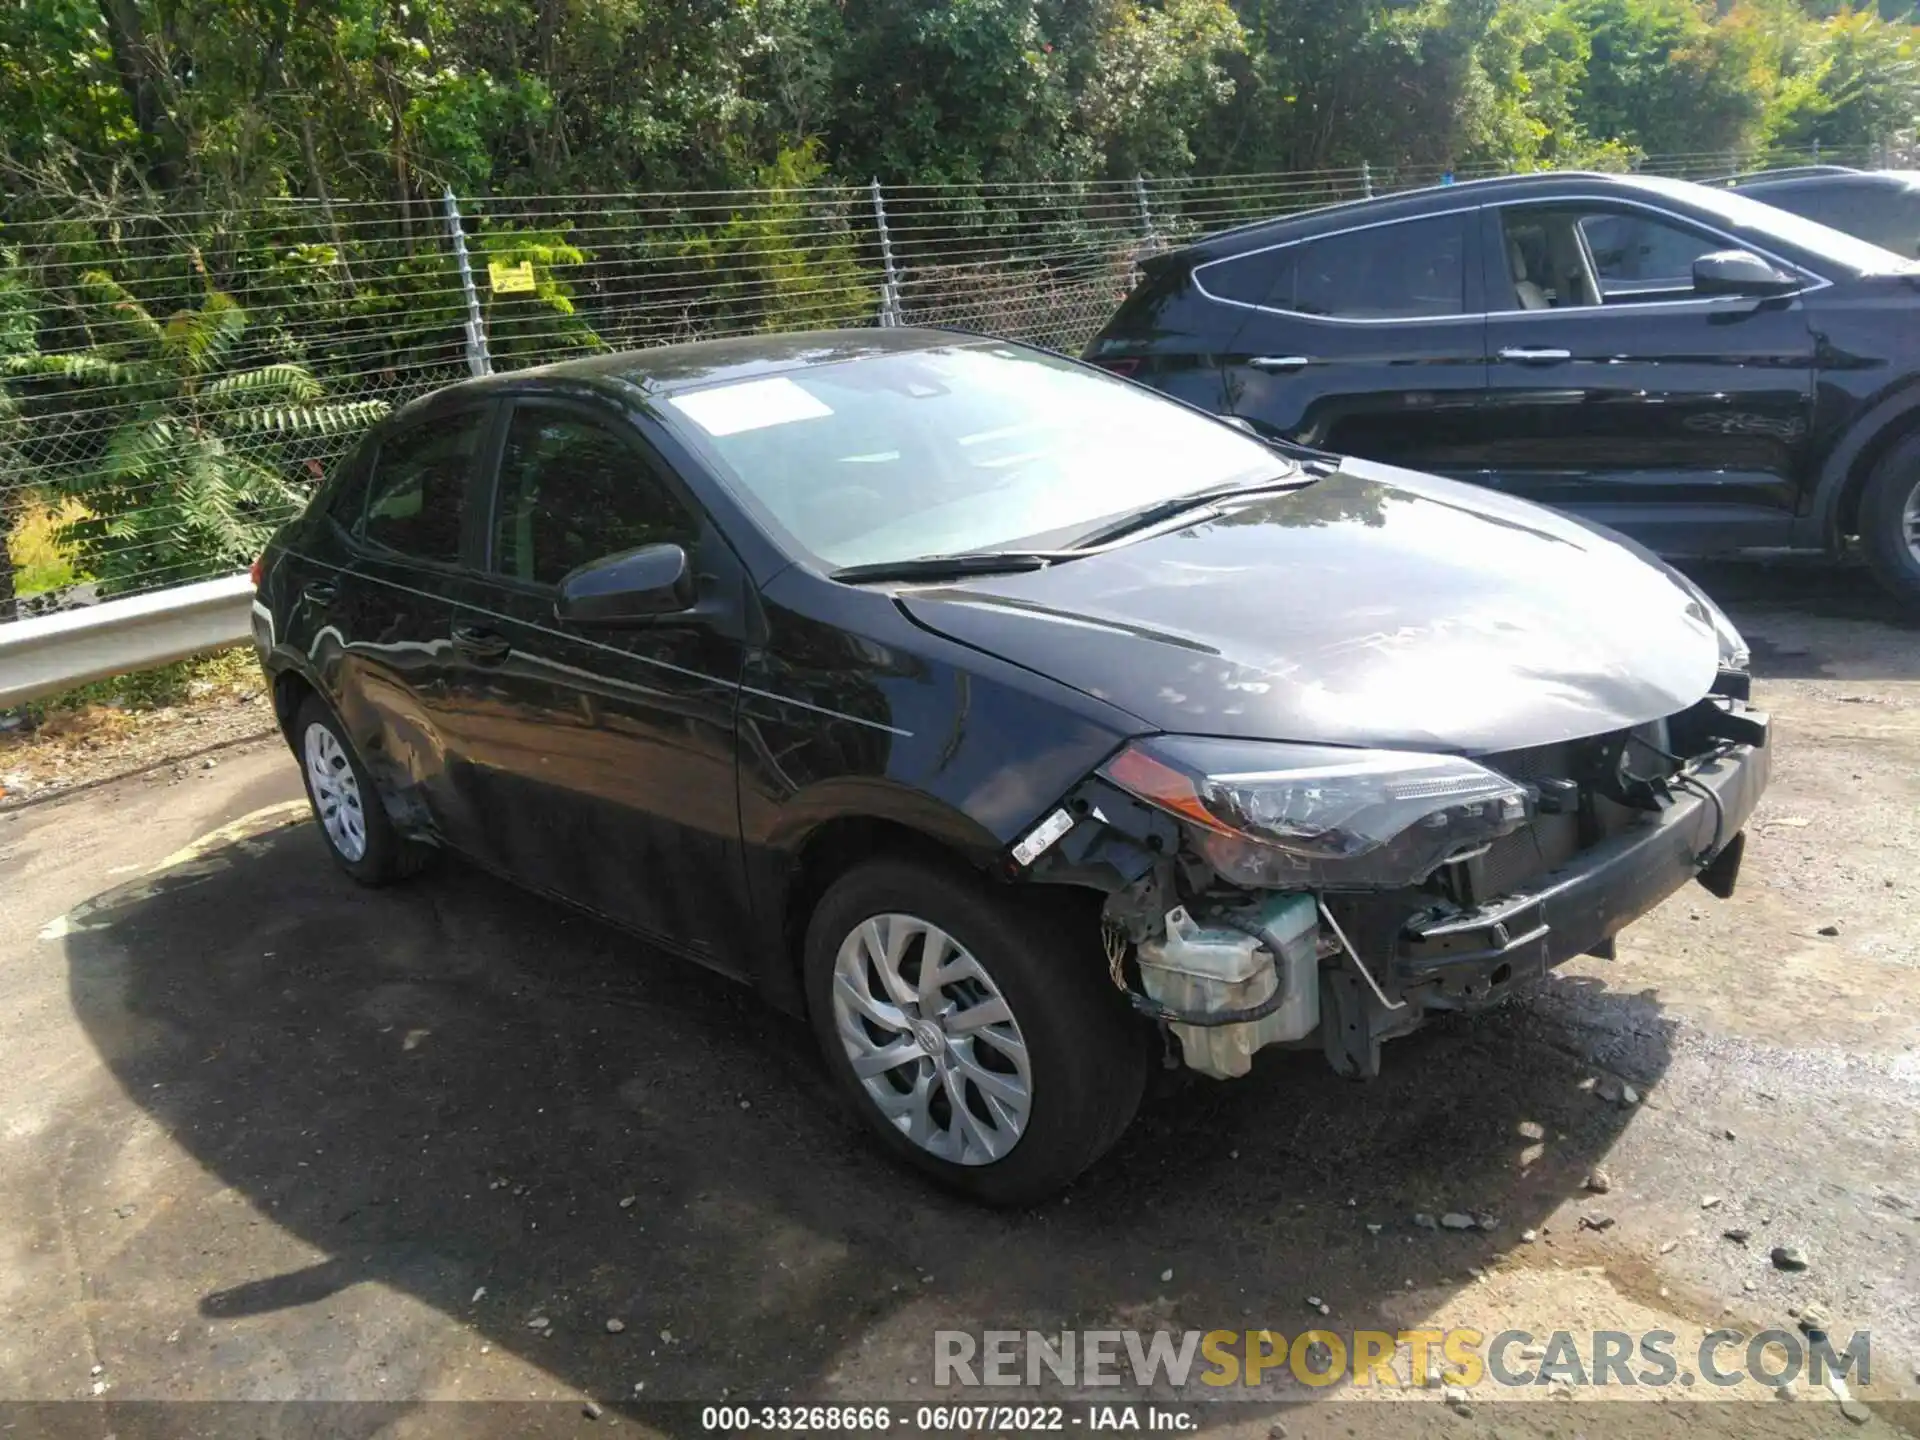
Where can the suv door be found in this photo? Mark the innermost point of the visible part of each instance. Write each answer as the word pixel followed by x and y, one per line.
pixel 377 628
pixel 1369 341
pixel 1615 391
pixel 602 758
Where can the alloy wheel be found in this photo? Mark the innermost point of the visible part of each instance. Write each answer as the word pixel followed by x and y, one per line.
pixel 1910 522
pixel 336 792
pixel 931 1039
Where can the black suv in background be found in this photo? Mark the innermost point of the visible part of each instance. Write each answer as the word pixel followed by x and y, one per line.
pixel 1879 206
pixel 1695 368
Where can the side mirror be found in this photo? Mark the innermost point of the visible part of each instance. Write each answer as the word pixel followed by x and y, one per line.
pixel 630 588
pixel 1740 272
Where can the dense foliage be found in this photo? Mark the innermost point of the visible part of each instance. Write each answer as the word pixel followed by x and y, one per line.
pixel 222 241
pixel 366 99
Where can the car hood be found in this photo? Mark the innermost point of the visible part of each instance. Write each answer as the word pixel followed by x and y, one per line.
pixel 1377 606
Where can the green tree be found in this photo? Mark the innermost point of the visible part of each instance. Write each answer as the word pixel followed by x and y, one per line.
pixel 795 255
pixel 1848 81
pixel 16 343
pixel 1663 76
pixel 198 464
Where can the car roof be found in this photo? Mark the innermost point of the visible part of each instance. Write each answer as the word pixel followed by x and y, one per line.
pixel 1438 199
pixel 1785 172
pixel 1431 199
pixel 1825 180
pixel 661 371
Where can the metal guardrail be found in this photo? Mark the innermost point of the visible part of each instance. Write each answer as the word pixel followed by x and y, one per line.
pixel 51 653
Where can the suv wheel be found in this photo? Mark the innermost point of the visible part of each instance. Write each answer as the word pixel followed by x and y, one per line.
pixel 352 820
pixel 1890 520
pixel 975 1032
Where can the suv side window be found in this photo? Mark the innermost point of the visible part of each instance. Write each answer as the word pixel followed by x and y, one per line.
pixel 1398 271
pixel 1637 250
pixel 417 497
pixel 573 490
pixel 1566 256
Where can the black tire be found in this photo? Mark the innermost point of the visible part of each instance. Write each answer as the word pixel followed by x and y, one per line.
pixel 387 856
pixel 1885 539
pixel 1088 1055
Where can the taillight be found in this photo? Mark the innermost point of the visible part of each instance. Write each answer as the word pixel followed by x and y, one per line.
pixel 1123 365
pixel 257 569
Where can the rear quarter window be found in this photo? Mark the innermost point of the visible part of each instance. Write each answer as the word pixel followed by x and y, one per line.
pixel 1254 279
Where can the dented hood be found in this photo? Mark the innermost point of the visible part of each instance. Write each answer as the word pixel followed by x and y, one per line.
pixel 1375 607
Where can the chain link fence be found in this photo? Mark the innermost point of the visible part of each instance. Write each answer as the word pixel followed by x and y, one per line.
pixel 173 384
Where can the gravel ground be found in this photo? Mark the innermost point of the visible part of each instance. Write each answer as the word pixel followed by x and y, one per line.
pixel 265 1137
pixel 78 750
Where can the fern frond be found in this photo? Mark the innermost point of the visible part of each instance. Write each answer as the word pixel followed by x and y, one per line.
pixel 304 420
pixel 80 367
pixel 103 289
pixel 269 382
pixel 136 451
pixel 200 339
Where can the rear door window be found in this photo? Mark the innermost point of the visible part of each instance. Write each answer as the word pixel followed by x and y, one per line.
pixel 416 502
pixel 1400 271
pixel 573 490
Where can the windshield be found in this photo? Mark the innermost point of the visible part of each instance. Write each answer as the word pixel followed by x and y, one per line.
pixel 962 448
pixel 1750 213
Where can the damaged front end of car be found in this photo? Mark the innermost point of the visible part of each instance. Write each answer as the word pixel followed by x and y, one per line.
pixel 1264 894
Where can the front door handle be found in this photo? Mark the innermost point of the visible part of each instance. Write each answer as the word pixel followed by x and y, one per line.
pixel 477 643
pixel 1280 362
pixel 1530 355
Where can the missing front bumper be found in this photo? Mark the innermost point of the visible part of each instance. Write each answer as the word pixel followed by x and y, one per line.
pixel 1470 961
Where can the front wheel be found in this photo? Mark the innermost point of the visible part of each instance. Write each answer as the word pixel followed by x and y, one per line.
pixel 1890 521
pixel 973 1030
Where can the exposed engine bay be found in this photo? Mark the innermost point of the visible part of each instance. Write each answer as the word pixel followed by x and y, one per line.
pixel 1306 896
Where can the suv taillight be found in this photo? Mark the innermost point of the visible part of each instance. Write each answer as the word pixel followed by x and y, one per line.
pixel 257 569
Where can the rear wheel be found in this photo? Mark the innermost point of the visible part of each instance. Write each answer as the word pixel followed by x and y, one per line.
pixel 1890 521
pixel 347 808
pixel 974 1031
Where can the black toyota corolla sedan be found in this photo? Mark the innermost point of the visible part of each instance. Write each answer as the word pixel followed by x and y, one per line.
pixel 1017 726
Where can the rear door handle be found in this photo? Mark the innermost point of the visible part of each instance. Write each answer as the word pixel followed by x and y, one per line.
pixel 321 592
pixel 477 643
pixel 1280 362
pixel 1529 355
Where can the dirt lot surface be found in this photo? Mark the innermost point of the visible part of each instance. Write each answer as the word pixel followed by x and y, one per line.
pixel 266 1138
pixel 71 752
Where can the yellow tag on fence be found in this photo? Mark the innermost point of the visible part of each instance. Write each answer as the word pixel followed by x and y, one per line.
pixel 510 279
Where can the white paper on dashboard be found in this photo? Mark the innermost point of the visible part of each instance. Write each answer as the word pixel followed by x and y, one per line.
pixel 750 405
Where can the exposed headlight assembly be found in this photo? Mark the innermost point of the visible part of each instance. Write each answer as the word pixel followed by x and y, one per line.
pixel 1282 816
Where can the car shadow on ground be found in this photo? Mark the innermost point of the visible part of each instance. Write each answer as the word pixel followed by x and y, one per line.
pixel 453 1085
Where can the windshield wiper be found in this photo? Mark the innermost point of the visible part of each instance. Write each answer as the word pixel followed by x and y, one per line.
pixel 948 567
pixel 1175 506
